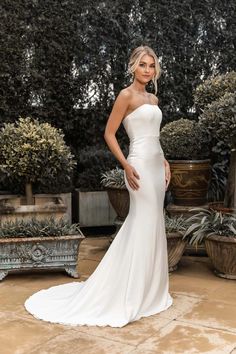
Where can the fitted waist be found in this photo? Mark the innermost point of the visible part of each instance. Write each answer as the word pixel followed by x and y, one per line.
pixel 145 146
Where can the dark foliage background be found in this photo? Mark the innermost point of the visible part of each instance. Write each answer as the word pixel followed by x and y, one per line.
pixel 65 61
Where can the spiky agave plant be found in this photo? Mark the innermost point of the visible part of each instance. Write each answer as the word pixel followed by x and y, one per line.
pixel 38 228
pixel 209 222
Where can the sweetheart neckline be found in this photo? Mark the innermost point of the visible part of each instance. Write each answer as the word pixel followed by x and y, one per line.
pixel 149 104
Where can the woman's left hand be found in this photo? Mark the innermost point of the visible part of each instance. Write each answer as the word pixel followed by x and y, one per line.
pixel 167 173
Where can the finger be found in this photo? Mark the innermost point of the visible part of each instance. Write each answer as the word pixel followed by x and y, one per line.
pixel 136 174
pixel 133 184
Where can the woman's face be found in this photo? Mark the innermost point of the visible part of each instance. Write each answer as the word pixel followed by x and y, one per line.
pixel 145 69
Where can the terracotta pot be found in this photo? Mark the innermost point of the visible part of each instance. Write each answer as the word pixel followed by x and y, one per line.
pixel 190 181
pixel 175 246
pixel 119 199
pixel 222 252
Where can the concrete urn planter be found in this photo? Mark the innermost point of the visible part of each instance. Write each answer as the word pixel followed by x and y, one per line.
pixel 13 207
pixel 44 253
pixel 119 199
pixel 222 252
pixel 175 246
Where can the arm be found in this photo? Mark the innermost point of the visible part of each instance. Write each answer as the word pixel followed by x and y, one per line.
pixel 118 111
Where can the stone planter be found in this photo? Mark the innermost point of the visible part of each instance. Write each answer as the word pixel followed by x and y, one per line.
pixel 222 252
pixel 44 253
pixel 175 246
pixel 13 207
pixel 190 181
pixel 119 199
pixel 92 208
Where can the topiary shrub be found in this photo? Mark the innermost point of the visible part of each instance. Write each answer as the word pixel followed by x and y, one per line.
pixel 184 139
pixel 219 118
pixel 34 153
pixel 214 88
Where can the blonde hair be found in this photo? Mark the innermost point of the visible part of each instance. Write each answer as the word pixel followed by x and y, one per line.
pixel 135 58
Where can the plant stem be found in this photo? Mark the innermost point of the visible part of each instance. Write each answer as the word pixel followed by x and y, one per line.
pixel 29 194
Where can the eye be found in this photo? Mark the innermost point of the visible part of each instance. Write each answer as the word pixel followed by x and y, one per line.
pixel 142 64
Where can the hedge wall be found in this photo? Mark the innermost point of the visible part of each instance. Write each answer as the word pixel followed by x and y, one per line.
pixel 65 61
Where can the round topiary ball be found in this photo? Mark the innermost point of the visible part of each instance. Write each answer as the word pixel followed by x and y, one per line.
pixel 185 139
pixel 34 152
pixel 219 119
pixel 214 88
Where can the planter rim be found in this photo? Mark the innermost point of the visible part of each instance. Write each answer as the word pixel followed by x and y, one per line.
pixel 219 206
pixel 219 238
pixel 39 238
pixel 190 161
pixel 174 234
pixel 10 195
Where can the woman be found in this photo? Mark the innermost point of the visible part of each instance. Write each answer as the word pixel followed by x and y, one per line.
pixel 131 281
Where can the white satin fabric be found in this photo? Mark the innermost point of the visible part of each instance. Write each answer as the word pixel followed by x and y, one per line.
pixel 131 281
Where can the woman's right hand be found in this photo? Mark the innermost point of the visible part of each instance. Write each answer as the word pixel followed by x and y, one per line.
pixel 132 176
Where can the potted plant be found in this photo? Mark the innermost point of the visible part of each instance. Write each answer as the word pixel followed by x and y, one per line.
pixel 47 244
pixel 219 119
pixel 175 228
pixel 113 181
pixel 33 154
pixel 187 148
pixel 219 233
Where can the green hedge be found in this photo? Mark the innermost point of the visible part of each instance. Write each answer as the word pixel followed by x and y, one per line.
pixel 65 61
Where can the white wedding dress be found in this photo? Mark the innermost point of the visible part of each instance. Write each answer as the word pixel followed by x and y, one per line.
pixel 131 281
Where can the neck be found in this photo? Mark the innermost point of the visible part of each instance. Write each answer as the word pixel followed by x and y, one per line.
pixel 138 86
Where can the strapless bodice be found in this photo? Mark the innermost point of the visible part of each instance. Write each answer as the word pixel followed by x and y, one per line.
pixel 143 121
pixel 143 129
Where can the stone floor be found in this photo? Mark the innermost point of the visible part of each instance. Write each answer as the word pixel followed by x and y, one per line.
pixel 201 320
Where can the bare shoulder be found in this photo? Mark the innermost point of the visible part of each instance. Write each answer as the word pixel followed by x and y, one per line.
pixel 124 97
pixel 125 93
pixel 154 98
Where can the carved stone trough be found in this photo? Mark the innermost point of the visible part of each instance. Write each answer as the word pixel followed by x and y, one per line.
pixel 42 253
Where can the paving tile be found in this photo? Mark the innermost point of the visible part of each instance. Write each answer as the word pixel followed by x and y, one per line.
pixel 73 342
pixel 181 304
pixel 200 269
pixel 35 280
pixel 20 336
pixel 94 248
pixel 183 338
pixel 195 285
pixel 12 298
pixel 133 333
pixel 214 314
pixel 201 319
pixel 225 292
pixel 86 267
